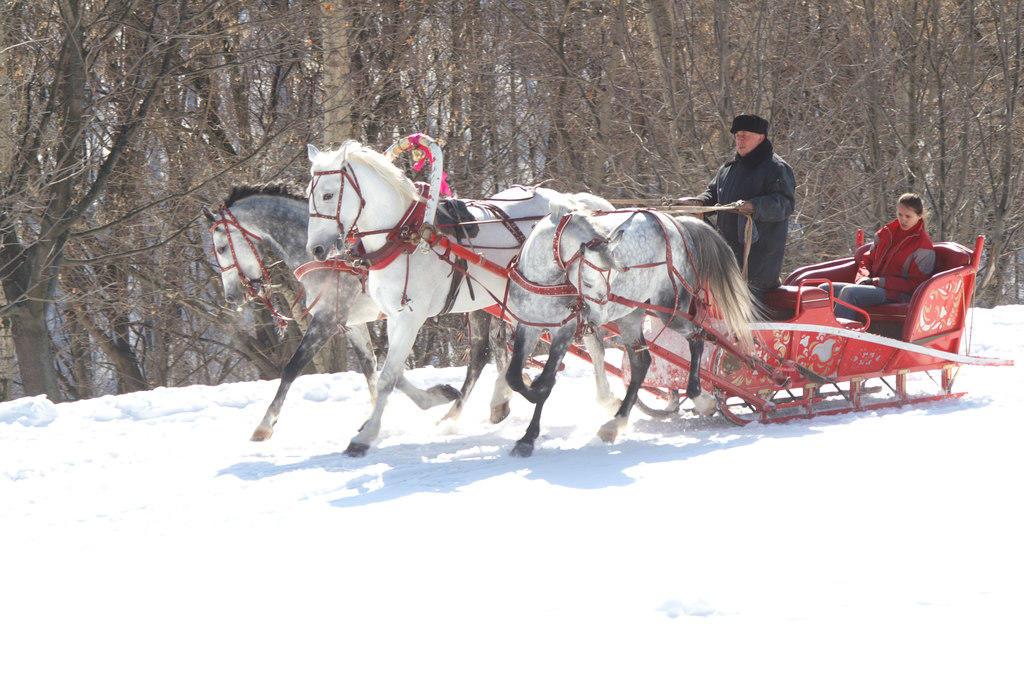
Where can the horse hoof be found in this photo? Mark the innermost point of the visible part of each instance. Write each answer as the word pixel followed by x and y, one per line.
pixel 356 449
pixel 499 412
pixel 609 432
pixel 522 449
pixel 261 433
pixel 705 405
pixel 446 391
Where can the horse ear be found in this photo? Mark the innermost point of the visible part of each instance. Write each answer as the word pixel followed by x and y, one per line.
pixel 607 252
pixel 312 152
pixel 208 215
pixel 609 248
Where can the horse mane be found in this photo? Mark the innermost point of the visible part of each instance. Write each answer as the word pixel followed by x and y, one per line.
pixel 561 204
pixel 375 161
pixel 245 191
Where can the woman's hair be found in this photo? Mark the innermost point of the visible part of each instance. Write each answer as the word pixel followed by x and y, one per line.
pixel 914 202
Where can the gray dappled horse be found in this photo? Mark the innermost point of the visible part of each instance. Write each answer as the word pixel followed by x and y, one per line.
pixel 358 195
pixel 255 227
pixel 636 258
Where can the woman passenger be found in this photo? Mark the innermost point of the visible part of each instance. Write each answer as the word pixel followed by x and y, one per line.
pixel 901 258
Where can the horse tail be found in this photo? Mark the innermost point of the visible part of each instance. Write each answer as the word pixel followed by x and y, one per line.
pixel 716 269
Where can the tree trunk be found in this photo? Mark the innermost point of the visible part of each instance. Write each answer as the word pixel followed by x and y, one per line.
pixel 337 83
pixel 725 108
pixel 7 357
pixel 874 163
pixel 32 347
pixel 118 349
pixel 80 360
pixel 661 29
pixel 31 272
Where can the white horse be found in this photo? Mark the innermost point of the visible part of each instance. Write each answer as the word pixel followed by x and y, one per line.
pixel 358 195
pixel 615 268
pixel 255 227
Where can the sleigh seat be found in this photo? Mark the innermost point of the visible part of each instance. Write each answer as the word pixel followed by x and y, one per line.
pixel 897 320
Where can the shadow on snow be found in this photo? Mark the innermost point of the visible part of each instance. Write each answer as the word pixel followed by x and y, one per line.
pixel 395 471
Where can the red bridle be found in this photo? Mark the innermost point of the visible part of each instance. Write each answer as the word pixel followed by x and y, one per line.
pixel 347 176
pixel 229 222
pixel 564 288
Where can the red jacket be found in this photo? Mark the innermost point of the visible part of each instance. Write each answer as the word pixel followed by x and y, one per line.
pixel 900 259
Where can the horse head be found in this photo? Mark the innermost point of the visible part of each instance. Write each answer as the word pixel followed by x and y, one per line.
pixel 589 255
pixel 236 251
pixel 352 188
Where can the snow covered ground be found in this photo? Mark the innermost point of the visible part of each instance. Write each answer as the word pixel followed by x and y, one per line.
pixel 144 537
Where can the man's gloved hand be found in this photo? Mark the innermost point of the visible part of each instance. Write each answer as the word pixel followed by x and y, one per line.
pixel 746 208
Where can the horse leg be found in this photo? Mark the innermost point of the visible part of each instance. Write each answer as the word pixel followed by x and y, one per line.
pixel 359 339
pixel 631 331
pixel 703 404
pixel 402 330
pixel 524 340
pixel 542 385
pixel 424 399
pixel 431 397
pixel 595 348
pixel 502 391
pixel 479 355
pixel 319 331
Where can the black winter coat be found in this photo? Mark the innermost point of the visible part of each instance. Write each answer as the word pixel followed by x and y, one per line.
pixel 767 181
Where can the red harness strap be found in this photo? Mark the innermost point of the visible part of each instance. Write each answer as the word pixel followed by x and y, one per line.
pixel 510 224
pixel 334 265
pixel 401 238
pixel 562 289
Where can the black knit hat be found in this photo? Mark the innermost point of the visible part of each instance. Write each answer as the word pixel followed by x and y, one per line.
pixel 749 123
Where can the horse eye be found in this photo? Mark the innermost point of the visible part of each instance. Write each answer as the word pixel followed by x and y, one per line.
pixel 222 249
pixel 329 196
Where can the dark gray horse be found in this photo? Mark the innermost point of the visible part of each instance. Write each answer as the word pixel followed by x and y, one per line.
pixel 256 227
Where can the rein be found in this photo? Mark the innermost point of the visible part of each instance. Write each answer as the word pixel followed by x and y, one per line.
pixel 228 221
pixel 748 229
